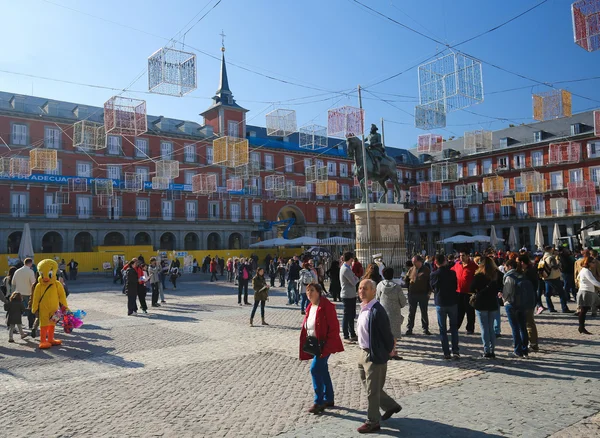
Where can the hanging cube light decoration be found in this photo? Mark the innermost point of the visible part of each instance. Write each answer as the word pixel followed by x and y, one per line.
pixel 583 192
pixel 102 186
pixel 444 172
pixel 43 159
pixel 4 166
pixel 167 169
pixel 460 191
pixel 299 192
pixel 478 141
pixel 125 116
pixel 274 183
pixel 321 188
pixel 313 137
pixel 586 24
pixel 332 187
pixel 345 122
pixel 281 123
pixel 493 184
pixel 230 151
pixel 507 202
pixel 61 198
pixel 105 201
pixel 134 182
pixel 20 167
pixel 565 152
pixel 77 185
pixel 234 184
pixel 89 136
pixel 494 195
pixel 454 80
pixel 522 196
pixel 597 123
pixel 430 116
pixel 551 104
pixel 316 173
pixel 204 183
pixel 534 182
pixel 160 183
pixel 172 72
pixel 558 206
pixel 430 143
pixel 428 189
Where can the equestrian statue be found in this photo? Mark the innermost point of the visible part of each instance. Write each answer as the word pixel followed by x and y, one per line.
pixel 380 166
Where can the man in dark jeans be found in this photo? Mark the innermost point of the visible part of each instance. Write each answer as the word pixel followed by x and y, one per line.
pixel 465 271
pixel 419 289
pixel 118 271
pixel 73 269
pixel 244 276
pixel 293 277
pixel 348 282
pixel 443 282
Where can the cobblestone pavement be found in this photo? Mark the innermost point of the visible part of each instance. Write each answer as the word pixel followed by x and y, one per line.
pixel 194 367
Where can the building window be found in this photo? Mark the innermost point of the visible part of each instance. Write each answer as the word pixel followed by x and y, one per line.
pixel 190 210
pixel 333 215
pixel 113 172
pixel 52 137
pixel 502 163
pixel 576 207
pixel 331 168
pixel 320 215
pixel 167 210
pixel 504 142
pixel 472 168
pixel 189 153
pixel 539 206
pixel 593 149
pixel 51 208
pixel 576 129
pixel 144 172
pixel 422 216
pixel 141 209
pixel 320 163
pixel 595 175
pixel 213 210
pixel 537 136
pixel 346 215
pixel 233 128
pixel 575 175
pixel 486 166
pixel 411 217
pixel 474 214
pixel 506 187
pixel 446 216
pixel 537 158
pixel 257 212
pixel 518 185
pixel 84 170
pixel 420 176
pixel 344 170
pixel 521 210
pixel 19 134
pixel 235 212
pixel 56 171
pixel 556 181
pixel 255 157
pixel 141 148
pixel 504 212
pixel 114 208
pixel 19 204
pixel 84 207
pixel 307 162
pixel 519 161
pixel 113 144
pixel 433 217
pixel 209 155
pixel 188 175
pixel 345 192
pixel 166 150
pixel 269 162
pixel 490 212
pixel 289 165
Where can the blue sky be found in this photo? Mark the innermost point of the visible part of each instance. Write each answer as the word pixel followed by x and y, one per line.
pixel 327 46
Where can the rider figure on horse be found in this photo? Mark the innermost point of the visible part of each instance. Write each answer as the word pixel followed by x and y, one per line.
pixel 375 147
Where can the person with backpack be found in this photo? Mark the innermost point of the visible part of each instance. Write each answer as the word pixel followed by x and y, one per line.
pixel 516 294
pixel 444 283
pixel 243 279
pixel 307 276
pixel 484 298
pixel 549 269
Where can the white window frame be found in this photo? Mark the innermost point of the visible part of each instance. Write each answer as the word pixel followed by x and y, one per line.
pixel 346 216
pixel 84 169
pixel 214 210
pixel 331 168
pixel 166 150
pixel 307 162
pixel 289 164
pixel 557 185
pixel 539 206
pixel 519 161
pixel 333 215
pixel 114 212
pixel 521 210
pixel 593 149
pixel 84 207
pixel 345 192
pixel 537 158
pixel 142 208
pixel 56 171
pixel 460 215
pixel 269 162
pixel 52 137
pixel 141 149
pixel 166 207
pixel 233 128
pixel 19 134
pixel 51 208
pixel 257 212
pixel 502 163
pixel 144 172
pixel 472 168
pixel 235 209
pixel 486 166
pixel 19 204
pixel 191 210
pixel 189 153
pixel 595 174
pixel 474 213
pixel 320 215
pixel 187 177
pixel 209 155
pixel 113 145
pixel 255 157
pixel 344 170
pixel 576 175
pixel 113 172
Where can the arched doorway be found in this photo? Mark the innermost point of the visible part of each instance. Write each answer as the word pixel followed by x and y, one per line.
pixel 213 241
pixel 13 242
pixel 299 227
pixel 142 239
pixel 52 242
pixel 191 242
pixel 167 242
pixel 235 241
pixel 83 242
pixel 114 239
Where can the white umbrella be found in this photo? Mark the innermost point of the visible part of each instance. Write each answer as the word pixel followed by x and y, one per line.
pixel 556 236
pixel 493 237
pixel 457 239
pixel 512 239
pixel 539 236
pixel 303 241
pixel 337 240
pixel 26 247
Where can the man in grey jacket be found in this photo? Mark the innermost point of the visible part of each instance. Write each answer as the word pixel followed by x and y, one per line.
pixel 348 294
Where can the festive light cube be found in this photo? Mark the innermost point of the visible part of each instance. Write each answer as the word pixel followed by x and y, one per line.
pixel 61 198
pixel 507 202
pixel 460 191
pixel 332 188
pixel 428 189
pixel 321 188
pixel 494 195
pixel 248 170
pixel 134 182
pixel 582 191
pixel 586 24
pixel 89 135
pixel 534 182
pixel 345 122
pixel 597 123
pixel 281 123
pixel 19 167
pixel 160 183
pixel 429 143
pixel 172 72
pixel 313 137
pixel 430 116
pixel 274 183
pixel 102 187
pixel 415 195
pixel 230 151
pixel 105 201
pixel 478 141
pixel 234 184
pixel 204 183
pixel 77 185
pixel 558 205
pixel 551 104
pixel 493 183
pixel 565 152
pixel 125 116
pixel 491 210
pixel 316 173
pixel 4 166
pixel 167 169
pixel 43 159
pixel 454 80
pixel 299 192
pixel 475 198
pixel 522 196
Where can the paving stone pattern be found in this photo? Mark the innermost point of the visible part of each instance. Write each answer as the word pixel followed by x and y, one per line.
pixel 194 367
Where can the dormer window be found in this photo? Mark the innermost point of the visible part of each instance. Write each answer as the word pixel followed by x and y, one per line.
pixel 504 142
pixel 538 136
pixel 576 129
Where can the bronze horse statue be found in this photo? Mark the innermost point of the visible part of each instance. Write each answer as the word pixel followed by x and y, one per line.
pixel 386 171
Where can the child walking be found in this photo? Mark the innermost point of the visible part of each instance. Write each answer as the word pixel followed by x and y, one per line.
pixel 14 308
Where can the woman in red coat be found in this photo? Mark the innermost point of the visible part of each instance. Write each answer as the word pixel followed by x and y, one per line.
pixel 321 321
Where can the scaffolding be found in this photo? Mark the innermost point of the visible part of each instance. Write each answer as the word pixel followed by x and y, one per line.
pixel 316 173
pixel 102 186
pixel 274 183
pixel 534 182
pixel 168 169
pixel 43 159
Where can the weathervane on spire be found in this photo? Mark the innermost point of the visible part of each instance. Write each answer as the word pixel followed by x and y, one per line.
pixel 222 40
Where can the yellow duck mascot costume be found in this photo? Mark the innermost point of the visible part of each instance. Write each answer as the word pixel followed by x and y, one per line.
pixel 48 296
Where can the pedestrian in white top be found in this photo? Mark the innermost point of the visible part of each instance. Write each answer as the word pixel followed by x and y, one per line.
pixel 586 297
pixel 22 282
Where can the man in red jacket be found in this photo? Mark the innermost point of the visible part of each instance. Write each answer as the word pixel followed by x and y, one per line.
pixel 465 271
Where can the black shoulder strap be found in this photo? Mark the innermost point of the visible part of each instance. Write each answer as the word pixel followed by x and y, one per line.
pixel 42 297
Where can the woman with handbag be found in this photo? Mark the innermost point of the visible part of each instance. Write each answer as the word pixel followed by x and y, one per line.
pixel 484 292
pixel 319 338
pixel 261 295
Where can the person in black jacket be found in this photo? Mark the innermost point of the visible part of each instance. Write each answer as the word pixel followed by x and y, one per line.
pixel 531 274
pixel 335 287
pixel 131 287
pixel 376 342
pixel 444 284
pixel 485 287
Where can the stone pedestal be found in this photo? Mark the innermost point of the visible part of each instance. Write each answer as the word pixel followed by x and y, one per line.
pixel 387 233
